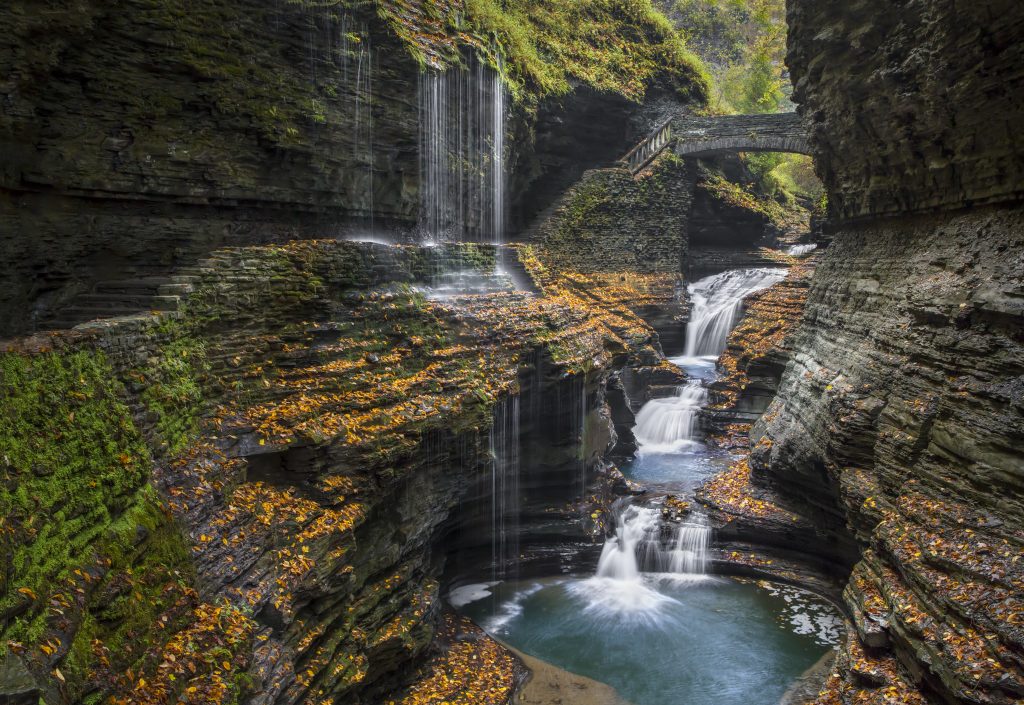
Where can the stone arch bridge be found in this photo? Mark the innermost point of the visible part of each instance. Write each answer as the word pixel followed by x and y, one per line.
pixel 719 134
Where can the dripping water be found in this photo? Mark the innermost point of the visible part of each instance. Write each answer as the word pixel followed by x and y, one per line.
pixel 582 462
pixel 505 502
pixel 462 128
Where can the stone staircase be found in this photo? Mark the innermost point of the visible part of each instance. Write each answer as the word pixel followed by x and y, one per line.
pixel 123 297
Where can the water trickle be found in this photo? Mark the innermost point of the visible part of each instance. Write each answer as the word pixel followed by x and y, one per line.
pixel 583 437
pixel 716 303
pixel 356 60
pixel 505 508
pixel 462 155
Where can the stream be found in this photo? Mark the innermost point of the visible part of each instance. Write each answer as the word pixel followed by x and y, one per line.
pixel 651 622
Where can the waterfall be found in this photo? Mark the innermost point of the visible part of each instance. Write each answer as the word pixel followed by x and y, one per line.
pixel 643 543
pixel 716 303
pixel 689 552
pixel 355 59
pixel 462 155
pixel 504 441
pixel 669 425
pixel 583 437
pixel 801 250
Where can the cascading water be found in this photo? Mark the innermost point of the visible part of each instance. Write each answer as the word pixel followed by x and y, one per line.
pixel 504 440
pixel 462 155
pixel 644 544
pixel 801 250
pixel 688 635
pixel 668 425
pixel 716 303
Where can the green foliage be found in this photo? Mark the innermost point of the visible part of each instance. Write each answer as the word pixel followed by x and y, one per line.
pixel 75 493
pixel 541 48
pixel 744 43
pixel 785 177
pixel 745 198
pixel 172 387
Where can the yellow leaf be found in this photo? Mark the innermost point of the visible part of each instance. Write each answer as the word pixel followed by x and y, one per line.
pixel 226 665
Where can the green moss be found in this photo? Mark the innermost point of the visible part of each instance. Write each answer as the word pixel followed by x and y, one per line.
pixel 84 532
pixel 541 48
pixel 746 198
pixel 172 387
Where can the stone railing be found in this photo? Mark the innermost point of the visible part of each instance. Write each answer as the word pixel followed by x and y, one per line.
pixel 645 152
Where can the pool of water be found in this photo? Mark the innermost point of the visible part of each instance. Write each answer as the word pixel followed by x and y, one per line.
pixel 663 639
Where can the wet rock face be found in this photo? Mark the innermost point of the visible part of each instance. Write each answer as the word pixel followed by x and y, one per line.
pixel 138 135
pixel 902 413
pixel 914 104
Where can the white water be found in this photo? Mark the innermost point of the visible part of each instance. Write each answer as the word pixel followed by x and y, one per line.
pixel 801 250
pixel 716 303
pixel 668 425
pixel 462 155
pixel 504 440
pixel 644 544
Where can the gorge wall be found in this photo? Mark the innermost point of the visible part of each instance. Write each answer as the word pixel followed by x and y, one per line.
pixel 139 135
pixel 902 410
pixel 252 499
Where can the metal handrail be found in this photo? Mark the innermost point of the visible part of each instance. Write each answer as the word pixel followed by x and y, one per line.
pixel 642 154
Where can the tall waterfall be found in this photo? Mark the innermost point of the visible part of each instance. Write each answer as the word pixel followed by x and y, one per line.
pixel 462 155
pixel 643 543
pixel 716 303
pixel 504 441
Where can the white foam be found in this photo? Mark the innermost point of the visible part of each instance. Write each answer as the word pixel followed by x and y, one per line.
pixel 467 594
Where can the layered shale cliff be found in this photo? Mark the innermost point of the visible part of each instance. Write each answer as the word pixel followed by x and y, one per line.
pixel 899 419
pixel 252 498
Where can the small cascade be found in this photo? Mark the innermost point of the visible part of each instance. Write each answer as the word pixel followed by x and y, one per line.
pixel 644 544
pixel 668 425
pixel 462 155
pixel 505 503
pixel 690 551
pixel 801 250
pixel 716 303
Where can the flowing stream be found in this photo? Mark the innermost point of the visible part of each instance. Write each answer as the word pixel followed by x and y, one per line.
pixel 650 622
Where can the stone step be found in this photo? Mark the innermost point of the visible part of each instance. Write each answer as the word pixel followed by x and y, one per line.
pixel 142 285
pixel 111 301
pixel 175 289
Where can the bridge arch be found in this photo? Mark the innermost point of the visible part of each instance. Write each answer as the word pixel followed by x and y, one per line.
pixel 708 136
